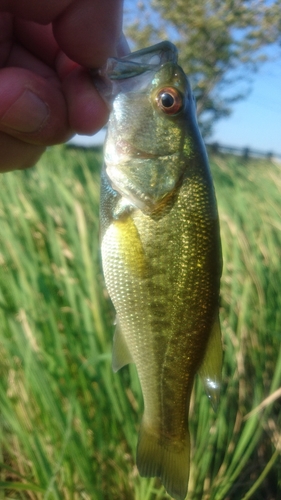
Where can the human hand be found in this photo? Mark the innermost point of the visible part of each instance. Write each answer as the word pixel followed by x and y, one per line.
pixel 46 93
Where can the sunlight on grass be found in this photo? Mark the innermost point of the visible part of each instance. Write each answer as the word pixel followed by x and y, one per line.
pixel 68 425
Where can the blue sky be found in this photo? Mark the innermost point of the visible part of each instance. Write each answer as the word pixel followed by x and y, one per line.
pixel 256 121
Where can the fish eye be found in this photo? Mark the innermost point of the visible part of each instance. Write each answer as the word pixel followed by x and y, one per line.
pixel 169 100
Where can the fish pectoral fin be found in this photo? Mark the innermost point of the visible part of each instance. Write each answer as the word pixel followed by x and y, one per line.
pixel 210 370
pixel 121 355
pixel 166 459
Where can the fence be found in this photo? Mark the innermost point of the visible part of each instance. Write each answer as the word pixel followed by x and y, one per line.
pixel 246 152
pixel 214 147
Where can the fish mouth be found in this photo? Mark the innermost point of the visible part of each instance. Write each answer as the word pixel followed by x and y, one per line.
pixel 121 184
pixel 136 195
pixel 137 175
pixel 124 148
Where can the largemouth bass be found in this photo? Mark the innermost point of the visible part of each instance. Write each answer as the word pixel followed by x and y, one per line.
pixel 161 251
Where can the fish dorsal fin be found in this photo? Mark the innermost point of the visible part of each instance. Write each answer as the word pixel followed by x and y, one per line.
pixel 121 355
pixel 210 370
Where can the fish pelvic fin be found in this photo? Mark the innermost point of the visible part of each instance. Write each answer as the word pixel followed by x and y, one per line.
pixel 210 369
pixel 165 459
pixel 130 248
pixel 121 355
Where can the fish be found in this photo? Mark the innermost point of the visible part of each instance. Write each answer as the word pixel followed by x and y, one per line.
pixel 161 251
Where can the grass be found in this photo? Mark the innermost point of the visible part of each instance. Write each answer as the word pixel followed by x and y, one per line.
pixel 68 425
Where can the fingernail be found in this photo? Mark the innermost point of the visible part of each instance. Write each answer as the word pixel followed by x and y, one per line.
pixel 27 114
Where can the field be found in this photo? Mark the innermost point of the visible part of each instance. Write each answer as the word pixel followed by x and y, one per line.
pixel 68 425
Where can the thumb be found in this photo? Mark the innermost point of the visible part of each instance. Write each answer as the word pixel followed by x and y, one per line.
pixel 32 108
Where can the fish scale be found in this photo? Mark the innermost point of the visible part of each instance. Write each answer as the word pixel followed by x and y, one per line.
pixel 161 256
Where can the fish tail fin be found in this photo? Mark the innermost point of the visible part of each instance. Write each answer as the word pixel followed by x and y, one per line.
pixel 164 459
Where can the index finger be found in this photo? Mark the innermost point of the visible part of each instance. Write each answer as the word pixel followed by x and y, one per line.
pixel 89 31
pixel 39 11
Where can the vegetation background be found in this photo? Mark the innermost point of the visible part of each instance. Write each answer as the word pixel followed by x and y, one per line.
pixel 68 425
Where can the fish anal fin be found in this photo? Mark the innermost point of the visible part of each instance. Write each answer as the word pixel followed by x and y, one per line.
pixel 165 459
pixel 210 369
pixel 121 355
